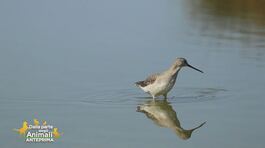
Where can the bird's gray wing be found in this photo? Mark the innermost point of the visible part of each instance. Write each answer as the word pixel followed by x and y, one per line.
pixel 149 80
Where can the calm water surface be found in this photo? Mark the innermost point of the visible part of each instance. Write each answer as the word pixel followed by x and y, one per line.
pixel 73 64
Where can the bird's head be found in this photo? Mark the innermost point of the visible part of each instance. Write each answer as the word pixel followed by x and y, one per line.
pixel 182 62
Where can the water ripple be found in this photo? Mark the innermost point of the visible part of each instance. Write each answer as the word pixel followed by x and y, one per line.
pixel 121 97
pixel 133 97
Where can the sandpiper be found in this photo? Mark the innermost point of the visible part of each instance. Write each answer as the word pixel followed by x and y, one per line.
pixel 161 83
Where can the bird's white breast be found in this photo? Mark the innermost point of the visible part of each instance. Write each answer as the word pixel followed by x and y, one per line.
pixel 161 87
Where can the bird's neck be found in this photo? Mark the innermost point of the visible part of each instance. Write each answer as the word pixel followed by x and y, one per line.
pixel 173 70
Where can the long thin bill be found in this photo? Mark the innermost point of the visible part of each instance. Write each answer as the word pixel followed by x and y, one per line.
pixel 194 68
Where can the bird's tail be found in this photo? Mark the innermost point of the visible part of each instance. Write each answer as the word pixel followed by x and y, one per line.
pixel 139 83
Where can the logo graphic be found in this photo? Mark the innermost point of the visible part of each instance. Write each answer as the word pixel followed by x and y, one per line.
pixel 38 133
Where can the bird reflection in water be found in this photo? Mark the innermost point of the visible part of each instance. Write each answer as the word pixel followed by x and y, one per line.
pixel 162 113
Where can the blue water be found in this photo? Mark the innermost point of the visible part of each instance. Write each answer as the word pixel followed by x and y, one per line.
pixel 74 64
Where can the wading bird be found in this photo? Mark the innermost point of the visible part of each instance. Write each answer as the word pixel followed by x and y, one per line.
pixel 161 83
